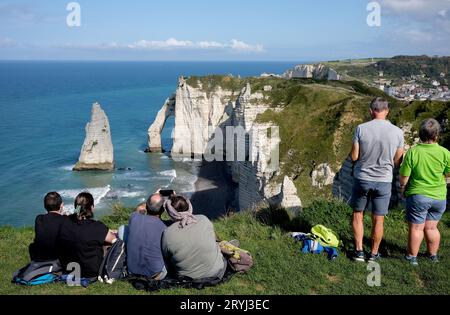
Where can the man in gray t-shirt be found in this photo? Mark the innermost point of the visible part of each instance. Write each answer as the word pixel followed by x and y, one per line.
pixel 377 149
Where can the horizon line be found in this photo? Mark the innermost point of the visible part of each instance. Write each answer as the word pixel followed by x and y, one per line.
pixel 306 60
pixel 194 60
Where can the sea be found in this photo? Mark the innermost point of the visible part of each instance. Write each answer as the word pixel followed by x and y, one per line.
pixel 44 107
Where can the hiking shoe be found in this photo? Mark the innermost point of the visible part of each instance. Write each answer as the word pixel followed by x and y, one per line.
pixel 374 257
pixel 358 255
pixel 433 258
pixel 412 260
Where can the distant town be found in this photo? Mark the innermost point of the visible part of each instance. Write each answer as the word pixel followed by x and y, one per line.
pixel 415 87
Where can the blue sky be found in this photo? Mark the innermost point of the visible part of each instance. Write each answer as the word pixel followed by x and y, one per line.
pixel 222 30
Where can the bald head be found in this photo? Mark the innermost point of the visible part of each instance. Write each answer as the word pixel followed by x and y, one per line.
pixel 154 204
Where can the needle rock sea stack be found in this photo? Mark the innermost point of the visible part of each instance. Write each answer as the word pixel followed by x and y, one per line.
pixel 97 152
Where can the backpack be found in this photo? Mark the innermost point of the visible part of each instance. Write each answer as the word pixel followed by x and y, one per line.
pixel 325 236
pixel 37 273
pixel 314 247
pixel 239 259
pixel 113 266
pixel 150 284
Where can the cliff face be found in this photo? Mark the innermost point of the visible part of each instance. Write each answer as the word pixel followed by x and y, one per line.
pixel 97 151
pixel 316 71
pixel 316 121
pixel 200 109
pixel 196 112
pixel 154 132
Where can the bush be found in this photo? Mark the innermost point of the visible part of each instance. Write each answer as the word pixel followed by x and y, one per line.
pixel 119 216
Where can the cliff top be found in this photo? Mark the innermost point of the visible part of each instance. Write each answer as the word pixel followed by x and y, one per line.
pixel 266 236
pixel 317 118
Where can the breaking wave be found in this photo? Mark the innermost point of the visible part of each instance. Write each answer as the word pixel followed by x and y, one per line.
pixel 67 167
pixel 97 192
pixel 171 173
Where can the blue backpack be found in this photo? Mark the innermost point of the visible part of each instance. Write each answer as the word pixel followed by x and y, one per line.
pixel 37 273
pixel 314 247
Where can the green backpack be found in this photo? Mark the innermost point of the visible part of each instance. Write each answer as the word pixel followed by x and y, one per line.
pixel 324 235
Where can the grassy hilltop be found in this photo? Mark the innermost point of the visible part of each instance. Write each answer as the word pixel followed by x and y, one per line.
pixel 318 118
pixel 279 268
pixel 397 68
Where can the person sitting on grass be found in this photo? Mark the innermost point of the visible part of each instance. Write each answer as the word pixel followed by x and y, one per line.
pixel 82 239
pixel 144 256
pixel 189 244
pixel 422 180
pixel 46 229
pixel 123 230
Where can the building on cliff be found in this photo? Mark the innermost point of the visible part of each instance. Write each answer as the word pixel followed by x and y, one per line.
pixel 97 152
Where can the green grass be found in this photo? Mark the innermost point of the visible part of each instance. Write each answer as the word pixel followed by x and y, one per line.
pixel 279 267
pixel 318 118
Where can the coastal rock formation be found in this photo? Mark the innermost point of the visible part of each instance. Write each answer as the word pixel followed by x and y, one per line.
pixel 154 132
pixel 289 199
pixel 200 109
pixel 97 152
pixel 322 176
pixel 316 71
pixel 197 114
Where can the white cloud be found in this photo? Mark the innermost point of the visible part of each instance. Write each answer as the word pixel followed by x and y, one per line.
pixel 419 22
pixel 418 9
pixel 206 45
pixel 173 44
pixel 241 46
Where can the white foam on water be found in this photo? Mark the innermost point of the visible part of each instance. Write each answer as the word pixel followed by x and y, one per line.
pixel 125 194
pixel 135 175
pixel 188 159
pixel 171 173
pixel 164 157
pixel 67 167
pixel 97 192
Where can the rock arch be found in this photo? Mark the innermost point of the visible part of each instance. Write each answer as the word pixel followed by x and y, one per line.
pixel 154 132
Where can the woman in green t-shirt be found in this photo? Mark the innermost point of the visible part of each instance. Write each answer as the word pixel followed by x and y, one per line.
pixel 422 181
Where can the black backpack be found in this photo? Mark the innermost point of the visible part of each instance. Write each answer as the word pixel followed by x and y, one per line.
pixel 113 266
pixel 150 285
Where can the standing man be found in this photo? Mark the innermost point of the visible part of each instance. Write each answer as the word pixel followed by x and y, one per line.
pixel 377 148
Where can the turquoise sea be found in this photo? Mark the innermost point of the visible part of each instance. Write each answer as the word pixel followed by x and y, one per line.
pixel 44 107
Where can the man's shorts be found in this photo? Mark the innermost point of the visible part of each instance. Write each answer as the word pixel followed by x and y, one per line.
pixel 420 208
pixel 374 196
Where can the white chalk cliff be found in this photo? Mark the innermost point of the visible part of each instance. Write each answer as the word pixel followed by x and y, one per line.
pixel 198 111
pixel 97 152
pixel 154 132
pixel 315 71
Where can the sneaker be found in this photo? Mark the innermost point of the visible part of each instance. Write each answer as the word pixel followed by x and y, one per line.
pixel 358 255
pixel 374 257
pixel 433 258
pixel 412 260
